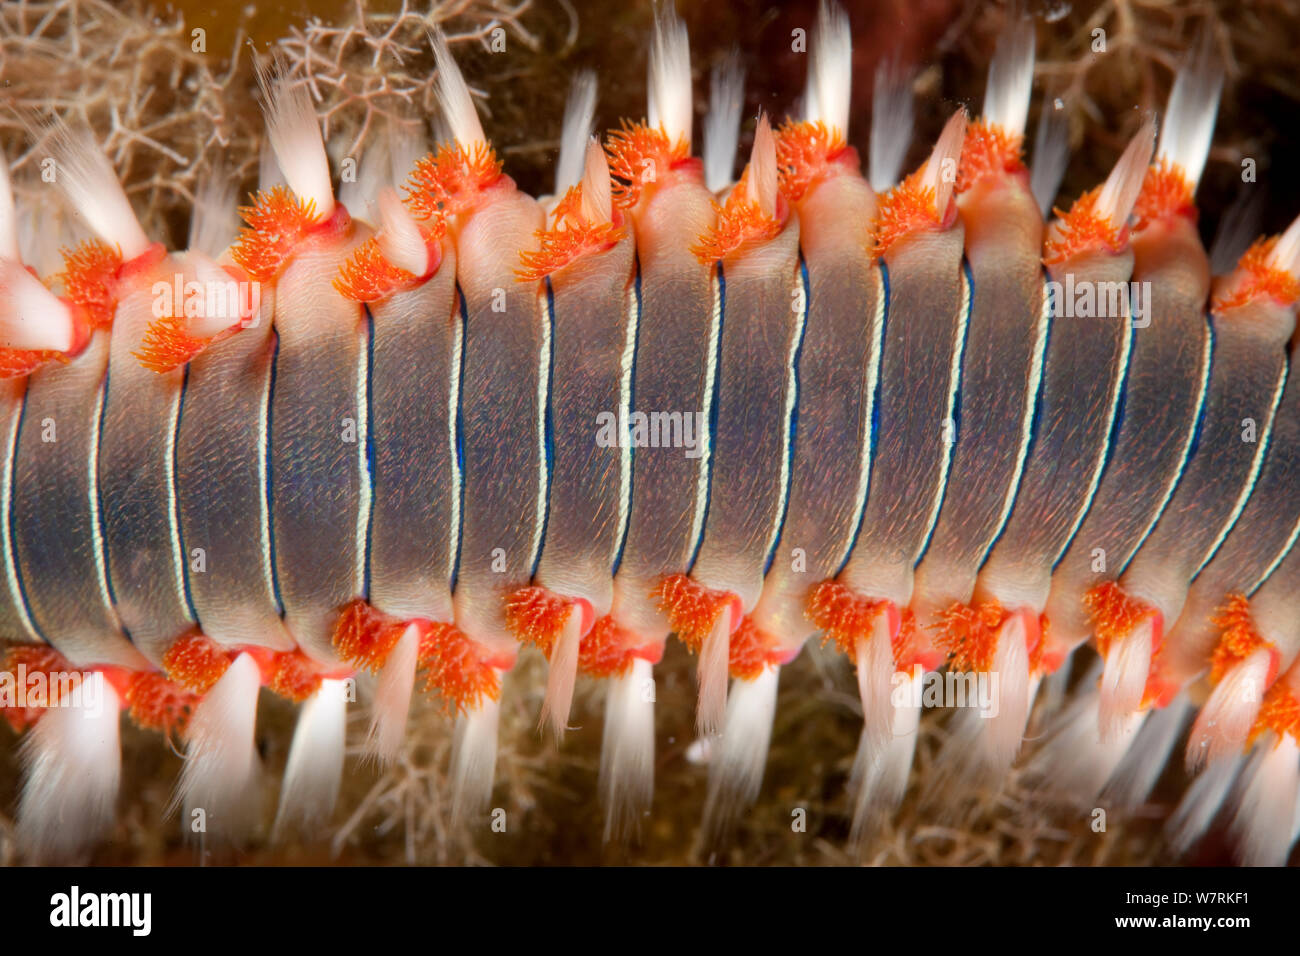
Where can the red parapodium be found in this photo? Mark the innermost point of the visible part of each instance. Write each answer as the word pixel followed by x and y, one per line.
pixel 570 237
pixel 638 157
pixel 1262 280
pixel 277 222
pixel 988 150
pixel 1083 229
pixel 1113 613
pixel 1239 639
pixel 456 670
pixel 692 609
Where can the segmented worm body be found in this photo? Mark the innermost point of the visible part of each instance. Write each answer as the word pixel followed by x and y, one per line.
pixel 918 423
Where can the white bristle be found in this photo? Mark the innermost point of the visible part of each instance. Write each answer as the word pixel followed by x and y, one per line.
pixel 762 180
pixel 575 133
pixel 892 117
pixel 944 159
pixel 214 221
pixel 1193 106
pixel 441 129
pixel 45 228
pixel 31 316
pixel 983 743
pixel 711 708
pixel 627 748
pixel 1011 79
pixel 1053 691
pixel 225 312
pixel 218 788
pixel 1286 254
pixel 669 88
pixel 722 124
pixel 399 236
pixel 1004 726
pixel 1074 763
pixel 294 134
pixel 1051 155
pixel 359 193
pixel 1267 808
pixel 1240 224
pixel 392 700
pixel 474 758
pixel 1120 191
pixel 879 776
pixel 736 769
pixel 314 771
pixel 8 216
pixel 597 191
pixel 269 173
pixel 960 768
pixel 454 98
pixel 875 673
pixel 1136 776
pixel 92 189
pixel 1224 722
pixel 407 144
pixel 1124 678
pixel 830 70
pixel 388 162
pixel 1201 803
pixel 73 763
pixel 562 674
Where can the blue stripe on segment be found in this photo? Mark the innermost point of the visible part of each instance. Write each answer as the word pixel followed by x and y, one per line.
pixel 1108 452
pixel 1191 448
pixel 9 519
pixel 713 415
pixel 956 406
pixel 631 445
pixel 548 425
pixel 875 414
pixel 794 412
pixel 370 446
pixel 270 469
pixel 460 435
pixel 1034 421
pixel 180 529
pixel 99 503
